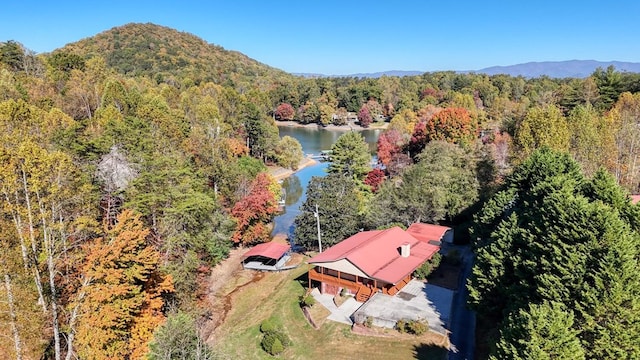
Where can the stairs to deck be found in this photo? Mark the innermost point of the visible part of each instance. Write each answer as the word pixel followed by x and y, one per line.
pixel 363 294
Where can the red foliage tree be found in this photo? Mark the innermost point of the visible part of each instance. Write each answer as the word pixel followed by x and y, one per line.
pixel 254 211
pixel 390 142
pixel 419 139
pixel 284 111
pixel 374 179
pixel 364 116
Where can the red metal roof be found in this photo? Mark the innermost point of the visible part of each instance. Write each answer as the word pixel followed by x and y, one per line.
pixel 635 199
pixel 377 253
pixel 426 232
pixel 271 250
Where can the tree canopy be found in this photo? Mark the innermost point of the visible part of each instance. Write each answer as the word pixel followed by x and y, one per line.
pixel 552 235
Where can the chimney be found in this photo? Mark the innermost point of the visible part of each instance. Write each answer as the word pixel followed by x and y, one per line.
pixel 405 250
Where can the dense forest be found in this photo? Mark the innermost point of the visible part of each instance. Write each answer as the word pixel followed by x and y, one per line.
pixel 133 161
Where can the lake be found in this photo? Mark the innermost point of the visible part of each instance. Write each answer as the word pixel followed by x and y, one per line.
pixel 313 141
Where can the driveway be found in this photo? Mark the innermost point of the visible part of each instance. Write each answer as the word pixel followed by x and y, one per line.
pixel 463 321
pixel 416 301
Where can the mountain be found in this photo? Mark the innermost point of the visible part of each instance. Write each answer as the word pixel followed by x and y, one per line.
pixel 164 54
pixel 559 69
pixel 399 73
pixel 554 69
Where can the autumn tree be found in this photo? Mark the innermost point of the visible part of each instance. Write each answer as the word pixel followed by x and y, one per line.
pixel 284 111
pixel 625 120
pixel 42 195
pixel 374 179
pixel 592 139
pixel 288 153
pixel 454 125
pixel 390 143
pixel 122 303
pixel 364 116
pixel 254 211
pixel 542 126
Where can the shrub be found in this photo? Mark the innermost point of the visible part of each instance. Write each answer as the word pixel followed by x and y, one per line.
pixel 307 300
pixel 415 327
pixel 428 266
pixel 368 322
pixel 267 326
pixel 401 326
pixel 267 342
pixel 274 340
pixel 277 347
pixel 282 337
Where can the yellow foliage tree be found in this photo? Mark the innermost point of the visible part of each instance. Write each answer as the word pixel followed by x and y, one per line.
pixel 122 302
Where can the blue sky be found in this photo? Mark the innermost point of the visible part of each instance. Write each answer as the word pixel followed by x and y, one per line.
pixel 351 36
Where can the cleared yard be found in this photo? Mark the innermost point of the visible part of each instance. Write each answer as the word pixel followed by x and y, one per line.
pixel 276 294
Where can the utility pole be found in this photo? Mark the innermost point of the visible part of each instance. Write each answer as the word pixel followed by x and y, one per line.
pixel 317 216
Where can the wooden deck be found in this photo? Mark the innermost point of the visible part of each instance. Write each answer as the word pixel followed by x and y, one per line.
pixel 364 288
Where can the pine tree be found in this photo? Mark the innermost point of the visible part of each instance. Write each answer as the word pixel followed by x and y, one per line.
pixel 542 332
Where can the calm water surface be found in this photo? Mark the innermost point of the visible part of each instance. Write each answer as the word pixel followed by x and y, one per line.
pixel 313 141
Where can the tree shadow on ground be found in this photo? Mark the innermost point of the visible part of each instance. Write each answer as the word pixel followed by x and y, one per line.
pixel 429 352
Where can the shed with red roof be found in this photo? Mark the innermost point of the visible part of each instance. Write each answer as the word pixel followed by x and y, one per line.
pixel 266 256
pixel 376 261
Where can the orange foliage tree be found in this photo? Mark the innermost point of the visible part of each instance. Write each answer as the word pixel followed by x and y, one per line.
pixel 121 304
pixel 255 210
pixel 453 125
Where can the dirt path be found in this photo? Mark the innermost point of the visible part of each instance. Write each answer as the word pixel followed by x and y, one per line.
pixel 218 303
pixel 226 280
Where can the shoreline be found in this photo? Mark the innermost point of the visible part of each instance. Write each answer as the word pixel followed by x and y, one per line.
pixel 331 127
pixel 280 173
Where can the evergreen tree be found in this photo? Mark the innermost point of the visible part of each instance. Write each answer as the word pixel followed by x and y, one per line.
pixel 552 236
pixel 438 187
pixel 338 204
pixel 542 332
pixel 350 156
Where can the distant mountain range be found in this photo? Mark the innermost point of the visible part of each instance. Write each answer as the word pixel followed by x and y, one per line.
pixel 161 52
pixel 554 69
pixel 376 75
pixel 560 69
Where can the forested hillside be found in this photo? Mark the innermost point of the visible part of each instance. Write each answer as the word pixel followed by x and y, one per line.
pixel 165 54
pixel 133 161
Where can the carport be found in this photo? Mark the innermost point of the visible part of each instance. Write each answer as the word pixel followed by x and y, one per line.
pixel 269 256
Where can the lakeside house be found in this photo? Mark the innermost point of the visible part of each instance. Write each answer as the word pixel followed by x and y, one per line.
pixel 376 261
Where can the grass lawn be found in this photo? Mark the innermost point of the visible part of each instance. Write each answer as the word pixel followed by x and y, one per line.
pixel 276 295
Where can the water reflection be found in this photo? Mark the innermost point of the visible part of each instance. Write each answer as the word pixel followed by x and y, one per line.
pixel 313 141
pixel 293 190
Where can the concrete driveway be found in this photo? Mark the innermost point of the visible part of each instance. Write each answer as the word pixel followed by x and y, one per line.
pixel 416 301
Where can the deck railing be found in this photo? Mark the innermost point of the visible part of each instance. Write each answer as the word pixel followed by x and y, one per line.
pixel 315 275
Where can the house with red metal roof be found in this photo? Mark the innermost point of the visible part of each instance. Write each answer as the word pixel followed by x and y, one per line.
pixel 376 261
